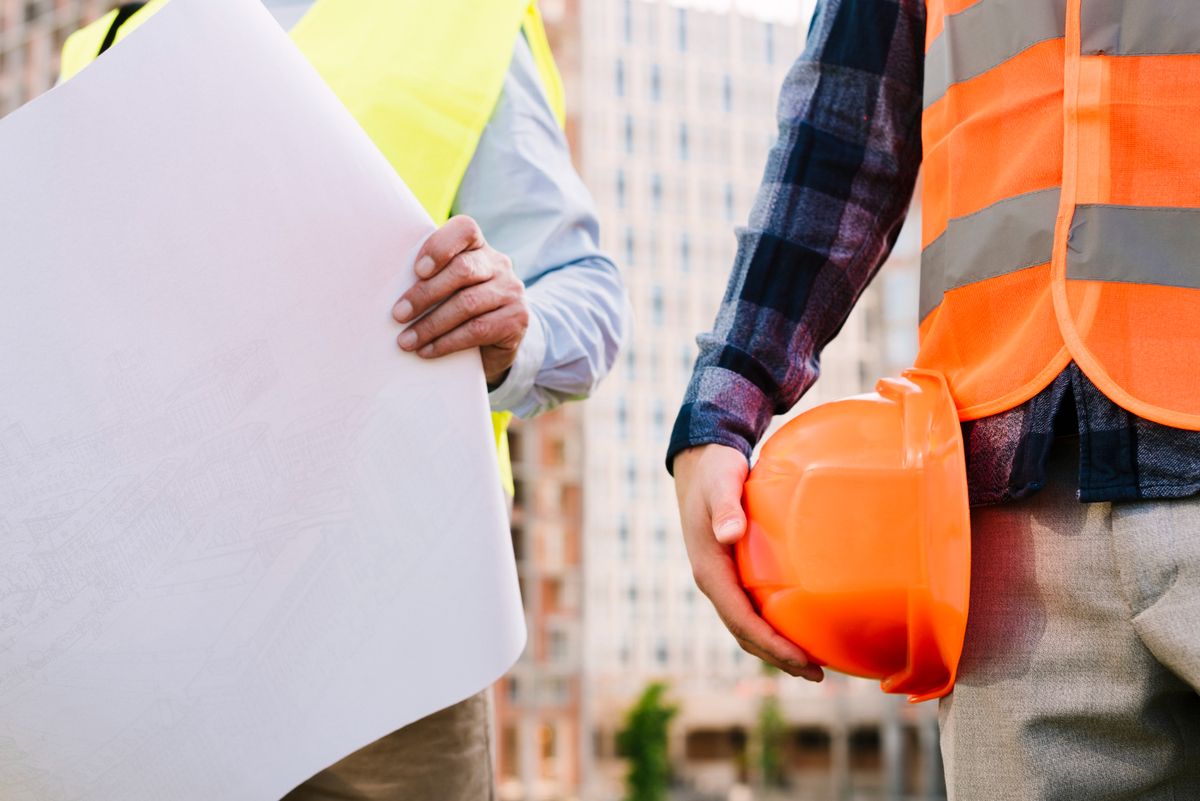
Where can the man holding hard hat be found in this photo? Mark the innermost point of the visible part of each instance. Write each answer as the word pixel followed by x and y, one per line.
pixel 1060 299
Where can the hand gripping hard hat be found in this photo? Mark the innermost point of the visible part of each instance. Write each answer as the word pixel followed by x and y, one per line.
pixel 858 547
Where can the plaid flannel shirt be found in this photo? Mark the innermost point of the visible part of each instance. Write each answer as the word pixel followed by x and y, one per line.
pixel 834 195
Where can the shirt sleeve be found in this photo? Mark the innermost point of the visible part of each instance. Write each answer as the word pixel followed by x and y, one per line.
pixel 531 204
pixel 833 198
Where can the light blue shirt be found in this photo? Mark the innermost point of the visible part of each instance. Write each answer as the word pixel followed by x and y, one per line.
pixel 531 204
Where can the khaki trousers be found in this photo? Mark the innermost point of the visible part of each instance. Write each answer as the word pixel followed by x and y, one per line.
pixel 444 757
pixel 1082 656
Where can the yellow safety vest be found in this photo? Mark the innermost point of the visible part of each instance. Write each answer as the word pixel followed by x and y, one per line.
pixel 421 78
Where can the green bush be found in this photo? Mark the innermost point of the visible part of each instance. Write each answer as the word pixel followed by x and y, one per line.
pixel 643 742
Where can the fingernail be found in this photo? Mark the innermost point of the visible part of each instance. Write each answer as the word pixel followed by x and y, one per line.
pixel 408 339
pixel 727 529
pixel 794 663
pixel 402 311
pixel 424 266
pixel 425 352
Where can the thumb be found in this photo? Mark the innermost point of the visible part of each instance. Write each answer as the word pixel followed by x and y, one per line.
pixel 728 519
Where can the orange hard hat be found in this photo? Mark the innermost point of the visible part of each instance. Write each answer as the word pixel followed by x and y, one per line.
pixel 859 540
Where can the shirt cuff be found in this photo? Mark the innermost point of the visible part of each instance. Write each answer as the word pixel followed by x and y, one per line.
pixel 523 373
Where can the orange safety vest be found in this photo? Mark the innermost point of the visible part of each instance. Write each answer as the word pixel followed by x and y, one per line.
pixel 1061 207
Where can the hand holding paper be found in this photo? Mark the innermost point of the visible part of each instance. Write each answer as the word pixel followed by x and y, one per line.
pixel 482 301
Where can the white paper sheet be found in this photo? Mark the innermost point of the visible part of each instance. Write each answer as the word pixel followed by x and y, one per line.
pixel 241 533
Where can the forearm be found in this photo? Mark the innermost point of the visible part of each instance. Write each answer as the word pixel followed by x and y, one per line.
pixel 834 195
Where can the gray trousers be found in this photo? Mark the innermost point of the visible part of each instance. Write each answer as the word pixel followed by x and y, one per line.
pixel 1082 656
pixel 444 757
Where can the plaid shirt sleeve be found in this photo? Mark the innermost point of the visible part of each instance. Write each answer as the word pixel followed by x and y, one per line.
pixel 834 194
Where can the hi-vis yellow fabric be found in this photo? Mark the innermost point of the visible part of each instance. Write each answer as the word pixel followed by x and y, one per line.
pixel 1061 212
pixel 421 79
pixel 535 34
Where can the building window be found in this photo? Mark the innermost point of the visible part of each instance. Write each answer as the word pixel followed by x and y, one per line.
pixel 628 134
pixel 683 31
pixel 558 646
pixel 547 735
pixel 656 192
pixel 620 78
pixel 728 201
pixel 631 363
pixel 686 360
pixel 623 538
pixel 629 247
pixel 620 189
pixel 685 252
pixel 622 419
pixel 510 753
pixel 631 594
pixel 657 305
pixel 631 478
pixel 683 141
pixel 769 48
pixel 660 419
pixel 727 93
pixel 660 651
pixel 655 83
pixel 627 21
pixel 660 541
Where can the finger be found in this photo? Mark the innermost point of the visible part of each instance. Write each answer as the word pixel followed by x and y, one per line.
pixel 725 507
pixel 791 670
pixel 738 615
pixel 488 329
pixel 458 234
pixel 466 269
pixel 461 307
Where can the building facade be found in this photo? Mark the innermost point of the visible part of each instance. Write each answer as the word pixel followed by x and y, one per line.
pixel 32 33
pixel 678 115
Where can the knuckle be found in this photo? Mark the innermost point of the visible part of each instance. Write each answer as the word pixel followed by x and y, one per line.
pixel 469 227
pixel 422 329
pixel 417 296
pixel 463 268
pixel 738 630
pixel 479 327
pixel 471 303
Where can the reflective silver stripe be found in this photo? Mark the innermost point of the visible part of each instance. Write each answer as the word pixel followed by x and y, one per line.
pixel 1011 235
pixel 1135 245
pixel 1140 27
pixel 987 34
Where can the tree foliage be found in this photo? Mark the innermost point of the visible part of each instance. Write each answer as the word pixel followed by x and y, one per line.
pixel 643 742
pixel 770 733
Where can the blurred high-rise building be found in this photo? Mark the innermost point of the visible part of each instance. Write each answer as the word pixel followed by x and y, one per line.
pixel 32 33
pixel 678 114
pixel 671 113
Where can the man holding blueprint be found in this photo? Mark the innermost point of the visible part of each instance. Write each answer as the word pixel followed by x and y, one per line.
pixel 464 100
